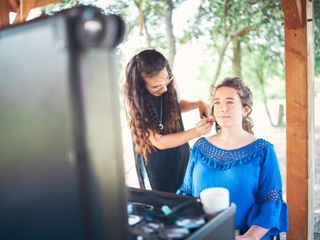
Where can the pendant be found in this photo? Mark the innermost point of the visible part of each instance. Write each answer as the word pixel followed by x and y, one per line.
pixel 160 126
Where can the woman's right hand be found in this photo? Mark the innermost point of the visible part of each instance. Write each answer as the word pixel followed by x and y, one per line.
pixel 204 126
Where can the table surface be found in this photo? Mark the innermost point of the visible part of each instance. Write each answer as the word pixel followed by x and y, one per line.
pixel 219 222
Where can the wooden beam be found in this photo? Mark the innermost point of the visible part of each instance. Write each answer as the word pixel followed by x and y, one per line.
pixel 4 13
pixel 294 13
pixel 46 2
pixel 23 10
pixel 27 5
pixel 296 59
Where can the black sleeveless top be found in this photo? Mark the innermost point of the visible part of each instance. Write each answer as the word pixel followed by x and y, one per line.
pixel 166 168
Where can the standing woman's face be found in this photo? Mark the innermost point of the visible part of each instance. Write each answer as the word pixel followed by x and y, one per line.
pixel 158 83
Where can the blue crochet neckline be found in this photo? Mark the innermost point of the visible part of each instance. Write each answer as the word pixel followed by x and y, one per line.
pixel 215 157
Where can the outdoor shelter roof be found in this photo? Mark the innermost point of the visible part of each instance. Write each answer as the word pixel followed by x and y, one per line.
pixel 22 8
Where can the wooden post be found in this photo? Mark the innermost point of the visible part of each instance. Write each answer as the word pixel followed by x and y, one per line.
pixel 4 13
pixel 297 122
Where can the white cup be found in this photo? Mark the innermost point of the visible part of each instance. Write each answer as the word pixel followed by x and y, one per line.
pixel 214 199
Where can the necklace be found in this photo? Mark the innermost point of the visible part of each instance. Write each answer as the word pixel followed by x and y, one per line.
pixel 160 118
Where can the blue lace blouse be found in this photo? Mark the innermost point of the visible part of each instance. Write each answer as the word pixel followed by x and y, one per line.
pixel 252 176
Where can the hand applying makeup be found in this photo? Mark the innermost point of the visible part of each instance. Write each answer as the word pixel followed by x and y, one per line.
pixel 204 126
pixel 203 109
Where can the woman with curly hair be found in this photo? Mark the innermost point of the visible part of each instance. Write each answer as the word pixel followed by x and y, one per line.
pixel 235 159
pixel 154 114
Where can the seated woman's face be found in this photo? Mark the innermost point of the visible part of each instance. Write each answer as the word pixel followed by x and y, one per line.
pixel 157 84
pixel 228 109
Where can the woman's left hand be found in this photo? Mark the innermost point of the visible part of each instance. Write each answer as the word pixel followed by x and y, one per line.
pixel 203 109
pixel 246 236
pixel 243 237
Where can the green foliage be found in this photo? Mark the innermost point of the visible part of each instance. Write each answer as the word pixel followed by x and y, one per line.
pixel 317 65
pixel 153 17
pixel 262 47
pixel 64 4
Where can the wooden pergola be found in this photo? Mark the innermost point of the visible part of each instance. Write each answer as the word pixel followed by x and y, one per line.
pixel 22 8
pixel 299 60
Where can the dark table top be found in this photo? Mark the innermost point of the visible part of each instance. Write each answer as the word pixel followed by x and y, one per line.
pixel 182 207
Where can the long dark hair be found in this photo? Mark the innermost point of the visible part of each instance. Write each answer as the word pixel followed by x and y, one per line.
pixel 141 113
pixel 245 97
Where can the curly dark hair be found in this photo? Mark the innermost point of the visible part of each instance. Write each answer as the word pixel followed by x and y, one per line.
pixel 245 96
pixel 141 113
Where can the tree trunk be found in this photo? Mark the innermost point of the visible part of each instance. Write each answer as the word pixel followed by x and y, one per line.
pixel 264 97
pixel 148 37
pixel 280 122
pixel 219 64
pixel 241 32
pixel 169 33
pixel 145 27
pixel 236 58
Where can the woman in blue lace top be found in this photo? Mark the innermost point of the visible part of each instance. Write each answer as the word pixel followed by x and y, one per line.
pixel 235 159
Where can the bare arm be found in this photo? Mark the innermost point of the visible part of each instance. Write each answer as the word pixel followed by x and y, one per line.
pixel 177 139
pixel 254 233
pixel 186 106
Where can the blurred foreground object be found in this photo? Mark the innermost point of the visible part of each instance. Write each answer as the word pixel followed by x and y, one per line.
pixel 61 164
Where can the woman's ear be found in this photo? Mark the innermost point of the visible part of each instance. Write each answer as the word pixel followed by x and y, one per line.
pixel 246 111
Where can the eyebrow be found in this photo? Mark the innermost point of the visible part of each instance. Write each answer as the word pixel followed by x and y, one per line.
pixel 228 98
